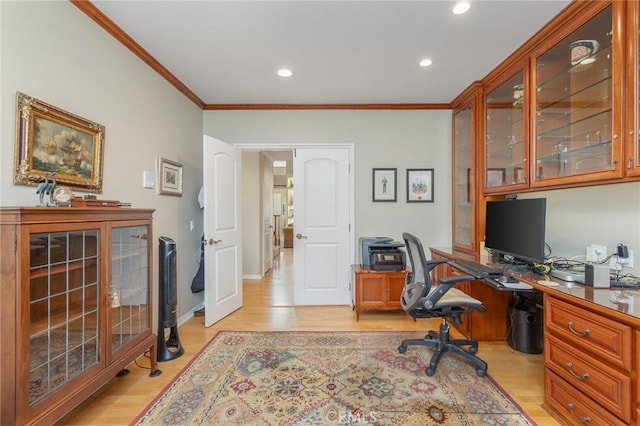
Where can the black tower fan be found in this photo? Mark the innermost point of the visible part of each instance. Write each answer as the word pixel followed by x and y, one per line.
pixel 168 301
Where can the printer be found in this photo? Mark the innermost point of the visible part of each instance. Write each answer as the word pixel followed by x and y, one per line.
pixel 382 254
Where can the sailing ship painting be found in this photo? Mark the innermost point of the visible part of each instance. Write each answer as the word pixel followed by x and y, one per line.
pixel 62 149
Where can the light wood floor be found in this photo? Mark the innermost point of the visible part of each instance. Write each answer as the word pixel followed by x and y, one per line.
pixel 268 305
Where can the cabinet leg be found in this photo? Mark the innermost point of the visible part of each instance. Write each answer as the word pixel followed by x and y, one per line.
pixel 153 357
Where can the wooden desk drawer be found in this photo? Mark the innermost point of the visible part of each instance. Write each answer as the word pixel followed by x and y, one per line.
pixel 607 339
pixel 606 385
pixel 574 405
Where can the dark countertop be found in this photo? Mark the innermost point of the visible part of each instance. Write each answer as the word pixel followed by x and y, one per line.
pixel 620 303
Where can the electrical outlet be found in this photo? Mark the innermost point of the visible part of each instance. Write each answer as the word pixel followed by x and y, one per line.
pixel 618 263
pixel 596 253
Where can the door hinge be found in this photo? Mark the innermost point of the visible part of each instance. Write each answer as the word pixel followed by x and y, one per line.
pixel 349 227
pixel 294 152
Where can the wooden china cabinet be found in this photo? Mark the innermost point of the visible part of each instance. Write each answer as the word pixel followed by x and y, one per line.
pixel 466 128
pixel 76 305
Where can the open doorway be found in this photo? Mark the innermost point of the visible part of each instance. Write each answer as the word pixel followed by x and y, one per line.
pixel 319 216
pixel 282 193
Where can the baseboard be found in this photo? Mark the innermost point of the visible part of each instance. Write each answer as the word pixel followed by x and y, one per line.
pixel 252 277
pixel 186 317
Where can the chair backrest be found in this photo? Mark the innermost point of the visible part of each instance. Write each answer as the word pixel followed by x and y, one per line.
pixel 418 260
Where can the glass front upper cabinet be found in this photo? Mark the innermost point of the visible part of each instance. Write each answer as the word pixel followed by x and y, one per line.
pixel 633 91
pixel 463 193
pixel 506 147
pixel 575 123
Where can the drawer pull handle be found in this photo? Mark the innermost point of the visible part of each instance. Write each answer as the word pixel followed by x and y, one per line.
pixel 585 419
pixel 578 333
pixel 583 376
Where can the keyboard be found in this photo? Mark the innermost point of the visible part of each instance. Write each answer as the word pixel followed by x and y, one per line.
pixel 476 269
pixel 624 284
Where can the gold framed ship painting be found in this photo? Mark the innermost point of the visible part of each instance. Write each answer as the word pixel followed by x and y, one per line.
pixel 55 143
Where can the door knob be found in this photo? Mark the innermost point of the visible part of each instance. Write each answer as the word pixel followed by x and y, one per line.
pixel 211 242
pixel 300 236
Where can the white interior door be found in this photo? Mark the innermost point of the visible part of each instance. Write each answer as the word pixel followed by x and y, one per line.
pixel 223 249
pixel 321 226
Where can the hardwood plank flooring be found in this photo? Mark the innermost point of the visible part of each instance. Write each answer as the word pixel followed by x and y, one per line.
pixel 268 305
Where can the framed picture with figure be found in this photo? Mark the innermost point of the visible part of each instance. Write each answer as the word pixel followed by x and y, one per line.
pixel 419 185
pixel 384 185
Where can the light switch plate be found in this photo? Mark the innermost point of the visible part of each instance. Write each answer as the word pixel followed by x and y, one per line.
pixel 148 179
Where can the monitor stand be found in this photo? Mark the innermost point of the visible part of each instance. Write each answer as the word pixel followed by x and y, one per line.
pixel 512 264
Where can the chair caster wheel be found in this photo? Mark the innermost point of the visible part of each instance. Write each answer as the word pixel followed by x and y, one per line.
pixel 473 349
pixel 402 349
pixel 481 373
pixel 430 371
pixel 431 335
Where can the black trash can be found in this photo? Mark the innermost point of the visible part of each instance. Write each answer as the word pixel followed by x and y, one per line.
pixel 525 331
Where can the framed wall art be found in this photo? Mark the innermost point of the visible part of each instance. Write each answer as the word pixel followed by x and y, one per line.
pixel 54 142
pixel 496 177
pixel 419 185
pixel 384 185
pixel 169 175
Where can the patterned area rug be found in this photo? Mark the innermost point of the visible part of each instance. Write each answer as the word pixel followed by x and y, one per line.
pixel 320 378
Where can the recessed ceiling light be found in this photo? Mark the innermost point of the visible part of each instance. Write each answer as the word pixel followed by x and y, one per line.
pixel 285 72
pixel 426 62
pixel 461 7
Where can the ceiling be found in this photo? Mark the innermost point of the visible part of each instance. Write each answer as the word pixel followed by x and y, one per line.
pixel 340 52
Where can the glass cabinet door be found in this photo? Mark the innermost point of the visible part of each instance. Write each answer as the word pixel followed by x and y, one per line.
pixel 463 191
pixel 506 148
pixel 64 274
pixel 633 90
pixel 129 290
pixel 574 109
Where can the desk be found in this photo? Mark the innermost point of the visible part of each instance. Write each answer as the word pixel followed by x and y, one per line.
pixel 488 326
pixel 591 350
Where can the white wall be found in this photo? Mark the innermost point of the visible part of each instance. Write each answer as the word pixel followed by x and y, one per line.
pixel 603 214
pixel 54 52
pixel 251 216
pixel 395 139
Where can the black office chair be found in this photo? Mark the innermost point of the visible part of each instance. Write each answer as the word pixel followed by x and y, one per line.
pixel 422 300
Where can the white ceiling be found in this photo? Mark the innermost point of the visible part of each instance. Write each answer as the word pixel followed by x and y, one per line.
pixel 228 52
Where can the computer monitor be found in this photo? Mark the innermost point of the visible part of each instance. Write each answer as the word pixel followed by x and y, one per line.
pixel 516 228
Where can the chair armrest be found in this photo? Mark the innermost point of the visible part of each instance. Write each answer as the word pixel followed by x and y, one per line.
pixel 433 263
pixel 455 279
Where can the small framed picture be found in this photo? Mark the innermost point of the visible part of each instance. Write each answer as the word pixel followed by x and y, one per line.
pixel 419 185
pixel 384 185
pixel 169 175
pixel 496 177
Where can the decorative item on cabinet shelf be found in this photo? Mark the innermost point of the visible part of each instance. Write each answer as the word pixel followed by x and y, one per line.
pixel 518 94
pixel 496 177
pixel 51 140
pixel 582 52
pixel 95 202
